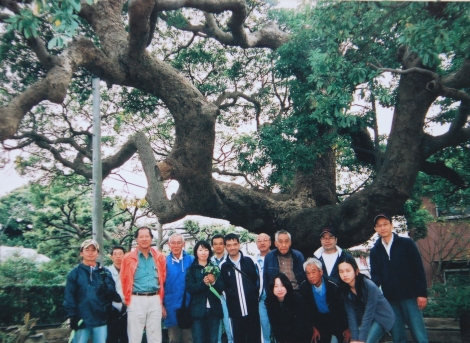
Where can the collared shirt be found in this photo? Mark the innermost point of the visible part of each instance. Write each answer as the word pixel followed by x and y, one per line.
pixel 286 266
pixel 216 260
pixel 387 246
pixel 319 293
pixel 260 260
pixel 146 274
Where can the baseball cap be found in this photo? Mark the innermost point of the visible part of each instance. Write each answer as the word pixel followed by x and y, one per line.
pixel 89 242
pixel 381 215
pixel 330 230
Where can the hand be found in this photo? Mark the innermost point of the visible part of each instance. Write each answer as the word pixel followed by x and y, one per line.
pixel 346 335
pixel 357 341
pixel 422 302
pixel 211 278
pixel 316 335
pixel 164 312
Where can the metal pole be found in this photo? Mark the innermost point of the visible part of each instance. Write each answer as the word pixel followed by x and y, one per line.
pixel 97 170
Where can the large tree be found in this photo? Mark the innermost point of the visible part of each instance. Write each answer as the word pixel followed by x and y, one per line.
pixel 182 73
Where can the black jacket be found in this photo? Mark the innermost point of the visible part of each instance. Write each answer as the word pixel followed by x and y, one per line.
pixel 250 285
pixel 337 320
pixel 334 275
pixel 402 276
pixel 200 292
pixel 289 322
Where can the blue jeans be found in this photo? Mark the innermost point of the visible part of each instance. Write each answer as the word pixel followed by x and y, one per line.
pixel 98 333
pixel 206 329
pixel 376 332
pixel 225 323
pixel 263 317
pixel 407 311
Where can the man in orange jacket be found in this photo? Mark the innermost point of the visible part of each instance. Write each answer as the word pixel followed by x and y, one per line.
pixel 143 274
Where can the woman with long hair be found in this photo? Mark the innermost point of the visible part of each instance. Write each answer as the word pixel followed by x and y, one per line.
pixel 287 313
pixel 205 287
pixel 370 315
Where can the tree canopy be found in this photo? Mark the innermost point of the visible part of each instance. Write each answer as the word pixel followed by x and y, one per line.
pixel 285 100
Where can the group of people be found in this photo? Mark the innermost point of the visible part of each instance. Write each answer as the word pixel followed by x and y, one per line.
pixel 275 294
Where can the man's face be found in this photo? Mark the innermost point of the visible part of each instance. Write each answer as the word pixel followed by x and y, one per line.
pixel 263 242
pixel 328 241
pixel 283 243
pixel 116 257
pixel 218 246
pixel 144 240
pixel 176 245
pixel 314 275
pixel 233 247
pixel 89 254
pixel 383 227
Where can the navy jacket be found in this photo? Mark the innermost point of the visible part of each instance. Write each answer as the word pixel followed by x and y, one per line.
pixel 337 318
pixel 402 276
pixel 250 285
pixel 88 294
pixel 364 310
pixel 271 267
pixel 200 292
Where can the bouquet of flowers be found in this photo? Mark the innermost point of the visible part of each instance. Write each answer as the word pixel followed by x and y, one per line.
pixel 214 270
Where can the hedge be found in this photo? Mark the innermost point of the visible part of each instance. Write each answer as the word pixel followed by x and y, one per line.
pixel 42 302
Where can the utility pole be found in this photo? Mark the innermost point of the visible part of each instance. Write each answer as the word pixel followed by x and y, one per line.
pixel 97 169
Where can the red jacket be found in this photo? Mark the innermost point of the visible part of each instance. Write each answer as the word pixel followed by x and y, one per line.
pixel 129 266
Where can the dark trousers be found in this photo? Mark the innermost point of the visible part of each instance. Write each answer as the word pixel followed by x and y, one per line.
pixel 247 329
pixel 326 326
pixel 206 329
pixel 117 330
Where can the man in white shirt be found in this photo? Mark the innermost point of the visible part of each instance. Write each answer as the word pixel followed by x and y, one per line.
pixel 329 253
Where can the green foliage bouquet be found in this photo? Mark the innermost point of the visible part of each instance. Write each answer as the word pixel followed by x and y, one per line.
pixel 214 270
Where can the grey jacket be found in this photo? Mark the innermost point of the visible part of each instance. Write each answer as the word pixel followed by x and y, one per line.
pixel 362 311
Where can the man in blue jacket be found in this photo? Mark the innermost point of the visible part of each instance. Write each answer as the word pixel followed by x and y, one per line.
pixel 396 265
pixel 177 262
pixel 284 260
pixel 89 292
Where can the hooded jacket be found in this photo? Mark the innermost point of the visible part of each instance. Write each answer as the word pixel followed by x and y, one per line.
pixel 89 292
pixel 129 266
pixel 175 286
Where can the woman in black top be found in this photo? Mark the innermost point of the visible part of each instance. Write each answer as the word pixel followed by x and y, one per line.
pixel 287 313
pixel 205 289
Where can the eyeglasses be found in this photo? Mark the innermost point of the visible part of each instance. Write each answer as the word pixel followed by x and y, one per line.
pixel 263 240
pixel 327 238
pixel 382 225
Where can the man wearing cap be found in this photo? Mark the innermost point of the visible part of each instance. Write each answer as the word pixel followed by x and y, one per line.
pixel 329 253
pixel 396 266
pixel 89 291
pixel 143 275
pixel 284 260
